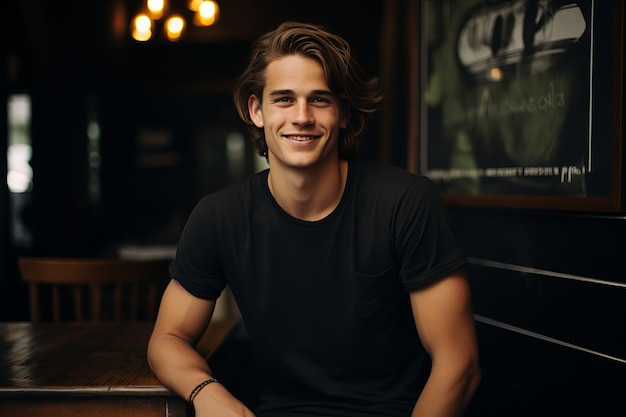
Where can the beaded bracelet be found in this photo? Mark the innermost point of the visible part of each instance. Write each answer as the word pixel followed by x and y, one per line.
pixel 198 387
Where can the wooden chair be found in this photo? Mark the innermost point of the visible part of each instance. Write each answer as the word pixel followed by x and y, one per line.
pixel 102 277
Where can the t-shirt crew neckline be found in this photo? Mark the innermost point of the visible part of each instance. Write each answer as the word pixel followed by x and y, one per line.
pixel 323 221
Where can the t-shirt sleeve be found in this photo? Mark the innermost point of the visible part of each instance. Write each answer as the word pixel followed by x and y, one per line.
pixel 197 264
pixel 426 245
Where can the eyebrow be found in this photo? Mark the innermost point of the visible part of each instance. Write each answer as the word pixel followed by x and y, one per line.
pixel 314 92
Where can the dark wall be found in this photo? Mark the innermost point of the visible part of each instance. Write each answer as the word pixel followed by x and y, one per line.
pixel 550 294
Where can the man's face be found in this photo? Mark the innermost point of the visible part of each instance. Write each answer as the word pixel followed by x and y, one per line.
pixel 299 114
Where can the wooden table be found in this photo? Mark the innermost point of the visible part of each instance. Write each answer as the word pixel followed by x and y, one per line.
pixel 75 369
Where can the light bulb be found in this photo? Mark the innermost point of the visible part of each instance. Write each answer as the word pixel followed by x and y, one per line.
pixel 156 8
pixel 142 28
pixel 207 14
pixel 174 27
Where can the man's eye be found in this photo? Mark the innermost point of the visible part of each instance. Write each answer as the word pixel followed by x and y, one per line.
pixel 282 100
pixel 320 100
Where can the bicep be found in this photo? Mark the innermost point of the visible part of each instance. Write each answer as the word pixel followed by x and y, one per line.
pixel 182 314
pixel 444 317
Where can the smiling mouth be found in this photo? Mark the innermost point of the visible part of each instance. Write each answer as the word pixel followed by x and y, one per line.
pixel 299 138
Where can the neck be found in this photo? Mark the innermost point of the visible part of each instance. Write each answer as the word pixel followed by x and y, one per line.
pixel 309 195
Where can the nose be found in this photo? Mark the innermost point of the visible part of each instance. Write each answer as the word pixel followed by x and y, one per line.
pixel 302 114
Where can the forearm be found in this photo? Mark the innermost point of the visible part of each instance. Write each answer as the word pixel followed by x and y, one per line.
pixel 175 361
pixel 448 391
pixel 180 367
pixel 177 364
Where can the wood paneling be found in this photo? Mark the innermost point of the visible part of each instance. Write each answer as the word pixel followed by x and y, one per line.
pixel 549 291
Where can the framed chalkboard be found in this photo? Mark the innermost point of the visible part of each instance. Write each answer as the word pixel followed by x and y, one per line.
pixel 519 102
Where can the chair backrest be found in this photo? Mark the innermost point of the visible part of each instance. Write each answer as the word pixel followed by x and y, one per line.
pixel 92 279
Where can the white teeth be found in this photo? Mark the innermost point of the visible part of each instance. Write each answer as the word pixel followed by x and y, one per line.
pixel 300 138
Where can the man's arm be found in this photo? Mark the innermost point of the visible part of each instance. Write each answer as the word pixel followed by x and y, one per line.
pixel 445 322
pixel 181 321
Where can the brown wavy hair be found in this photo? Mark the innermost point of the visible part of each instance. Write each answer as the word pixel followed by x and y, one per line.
pixel 359 94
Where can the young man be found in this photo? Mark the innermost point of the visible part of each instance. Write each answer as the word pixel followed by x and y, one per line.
pixel 346 272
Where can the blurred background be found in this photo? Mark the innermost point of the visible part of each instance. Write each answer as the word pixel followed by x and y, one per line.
pixel 112 140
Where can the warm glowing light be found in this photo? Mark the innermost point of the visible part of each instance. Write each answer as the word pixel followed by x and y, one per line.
pixel 156 8
pixel 157 15
pixel 174 27
pixel 194 5
pixel 142 28
pixel 495 74
pixel 208 9
pixel 143 23
pixel 208 12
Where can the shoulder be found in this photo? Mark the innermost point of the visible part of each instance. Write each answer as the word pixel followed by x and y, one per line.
pixel 242 189
pixel 390 180
pixel 233 199
pixel 386 191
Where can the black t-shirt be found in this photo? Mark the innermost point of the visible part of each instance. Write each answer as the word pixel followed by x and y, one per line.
pixel 326 303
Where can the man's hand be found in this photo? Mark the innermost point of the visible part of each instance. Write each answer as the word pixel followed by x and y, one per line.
pixel 216 401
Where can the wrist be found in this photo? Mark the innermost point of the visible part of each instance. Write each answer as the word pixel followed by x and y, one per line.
pixel 199 388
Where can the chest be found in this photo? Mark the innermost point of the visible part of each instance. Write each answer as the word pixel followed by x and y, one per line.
pixel 346 266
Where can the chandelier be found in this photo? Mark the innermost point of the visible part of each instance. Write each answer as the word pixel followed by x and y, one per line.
pixel 157 15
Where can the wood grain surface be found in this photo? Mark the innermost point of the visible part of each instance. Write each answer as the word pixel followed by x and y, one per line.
pixel 84 369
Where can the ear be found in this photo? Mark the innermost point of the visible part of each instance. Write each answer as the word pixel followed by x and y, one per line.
pixel 254 108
